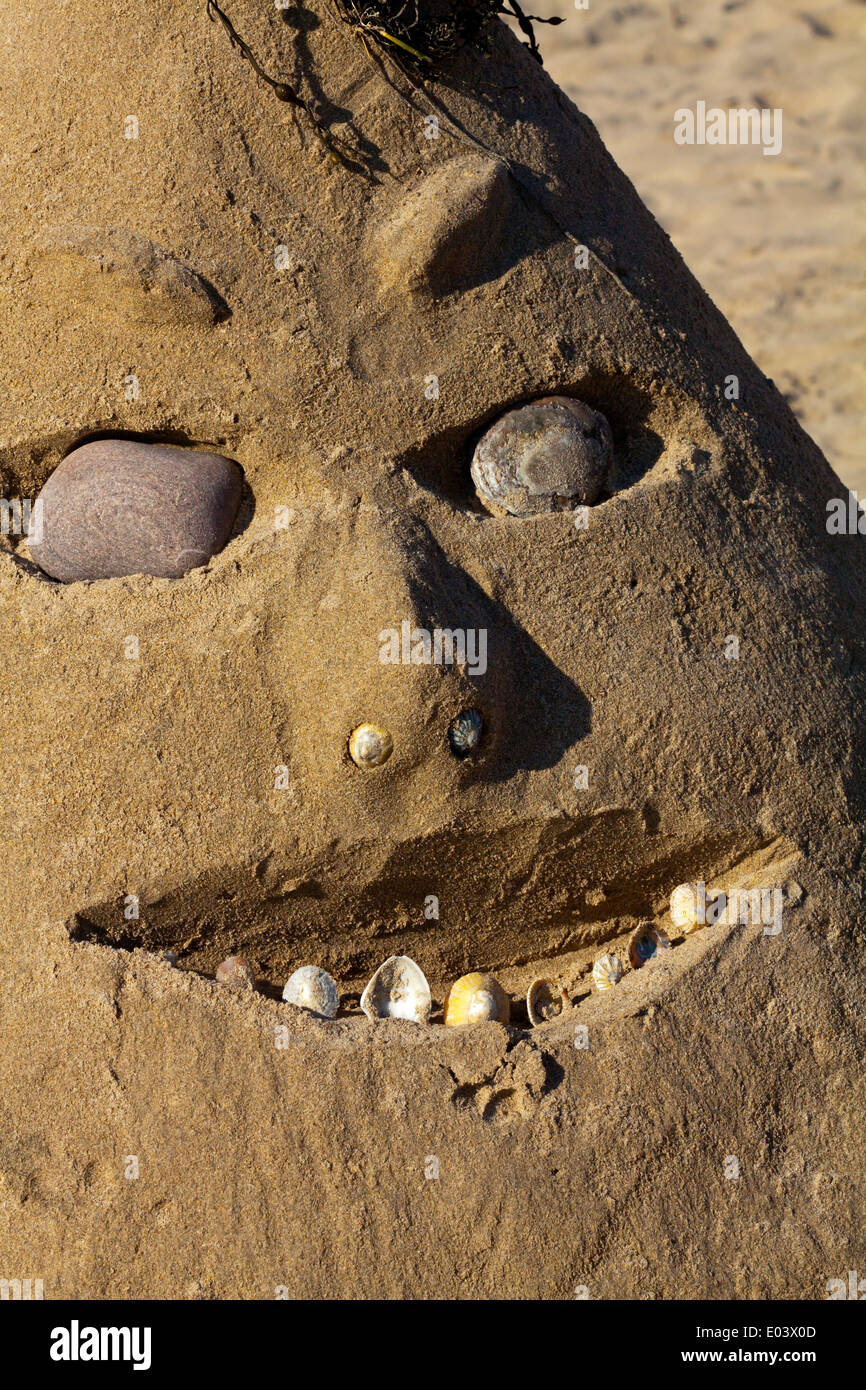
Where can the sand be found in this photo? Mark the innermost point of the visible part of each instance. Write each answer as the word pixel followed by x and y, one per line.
pixel 191 792
pixel 777 242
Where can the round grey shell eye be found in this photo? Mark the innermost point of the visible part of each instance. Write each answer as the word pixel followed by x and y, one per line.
pixel 464 734
pixel 551 455
pixel 123 506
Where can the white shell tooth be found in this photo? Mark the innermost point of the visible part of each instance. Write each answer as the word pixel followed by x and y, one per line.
pixel 399 989
pixel 607 972
pixel 312 988
pixel 546 999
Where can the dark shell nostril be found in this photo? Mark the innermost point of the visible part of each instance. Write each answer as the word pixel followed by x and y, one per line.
pixel 464 733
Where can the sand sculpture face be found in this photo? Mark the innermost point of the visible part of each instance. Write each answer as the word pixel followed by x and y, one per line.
pixel 669 690
pixel 189 265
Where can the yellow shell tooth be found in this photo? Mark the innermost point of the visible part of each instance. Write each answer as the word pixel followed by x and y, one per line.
pixel 645 943
pixel 476 998
pixel 607 972
pixel 684 908
pixel 546 999
pixel 399 989
pixel 370 746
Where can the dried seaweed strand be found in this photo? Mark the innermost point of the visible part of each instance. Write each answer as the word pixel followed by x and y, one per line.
pixel 526 21
pixel 282 90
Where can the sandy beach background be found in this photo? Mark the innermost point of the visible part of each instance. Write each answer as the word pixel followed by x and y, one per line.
pixel 778 242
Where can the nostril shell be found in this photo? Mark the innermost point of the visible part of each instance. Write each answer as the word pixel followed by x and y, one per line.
pixel 684 908
pixel 548 456
pixel 464 733
pixel 123 506
pixel 370 746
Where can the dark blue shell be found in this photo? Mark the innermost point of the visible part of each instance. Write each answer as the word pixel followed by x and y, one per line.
pixel 465 732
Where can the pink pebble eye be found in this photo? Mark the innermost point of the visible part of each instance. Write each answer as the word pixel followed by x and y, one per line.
pixel 126 506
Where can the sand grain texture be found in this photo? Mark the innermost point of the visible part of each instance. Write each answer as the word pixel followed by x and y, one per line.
pixel 209 775
pixel 776 241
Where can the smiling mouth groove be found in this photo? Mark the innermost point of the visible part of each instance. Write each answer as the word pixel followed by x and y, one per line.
pixel 282 923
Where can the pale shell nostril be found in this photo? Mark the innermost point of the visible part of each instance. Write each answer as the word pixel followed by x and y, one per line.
pixel 684 909
pixel 370 746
